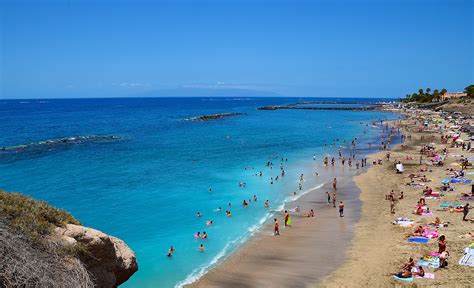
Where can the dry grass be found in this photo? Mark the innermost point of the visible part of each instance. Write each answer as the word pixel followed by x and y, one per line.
pixel 35 219
pixel 27 259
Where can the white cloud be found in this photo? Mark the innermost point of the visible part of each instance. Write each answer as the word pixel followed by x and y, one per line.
pixel 226 85
pixel 133 84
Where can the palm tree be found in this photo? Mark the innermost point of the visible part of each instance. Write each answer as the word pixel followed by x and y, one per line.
pixel 443 91
pixel 420 91
pixel 428 90
pixel 436 95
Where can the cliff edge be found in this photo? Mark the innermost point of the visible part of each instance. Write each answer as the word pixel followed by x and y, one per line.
pixel 43 246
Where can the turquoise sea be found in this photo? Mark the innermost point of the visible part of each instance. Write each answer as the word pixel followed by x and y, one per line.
pixel 147 186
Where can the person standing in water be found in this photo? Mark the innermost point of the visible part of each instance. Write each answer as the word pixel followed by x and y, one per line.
pixel 341 209
pixel 334 199
pixel 334 184
pixel 329 197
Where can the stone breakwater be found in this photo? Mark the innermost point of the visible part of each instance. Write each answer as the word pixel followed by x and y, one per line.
pixel 297 106
pixel 58 142
pixel 214 116
pixel 290 107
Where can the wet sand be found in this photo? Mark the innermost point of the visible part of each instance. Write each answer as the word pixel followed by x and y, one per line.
pixel 303 254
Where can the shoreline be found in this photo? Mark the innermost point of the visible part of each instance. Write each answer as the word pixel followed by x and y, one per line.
pixel 253 264
pixel 295 257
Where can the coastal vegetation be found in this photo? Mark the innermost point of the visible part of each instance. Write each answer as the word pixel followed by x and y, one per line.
pixel 29 259
pixel 425 96
pixel 34 219
pixel 428 96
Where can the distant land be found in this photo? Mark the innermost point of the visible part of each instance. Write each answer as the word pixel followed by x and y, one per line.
pixel 207 92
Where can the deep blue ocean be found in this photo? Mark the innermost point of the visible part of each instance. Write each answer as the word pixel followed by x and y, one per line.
pixel 146 187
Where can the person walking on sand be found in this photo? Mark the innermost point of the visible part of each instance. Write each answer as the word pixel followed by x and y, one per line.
pixel 276 230
pixel 392 205
pixel 334 200
pixel 341 209
pixel 334 184
pixel 465 211
pixel 329 197
pixel 287 219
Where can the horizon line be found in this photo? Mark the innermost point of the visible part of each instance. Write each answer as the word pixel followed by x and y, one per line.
pixel 168 97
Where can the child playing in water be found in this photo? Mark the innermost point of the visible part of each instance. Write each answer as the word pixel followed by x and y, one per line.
pixel 201 248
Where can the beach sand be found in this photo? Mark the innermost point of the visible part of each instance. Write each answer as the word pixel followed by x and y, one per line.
pixel 379 247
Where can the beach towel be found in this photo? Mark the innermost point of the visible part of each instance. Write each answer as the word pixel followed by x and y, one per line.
pixel 456 180
pixel 402 279
pixel 427 214
pixel 467 260
pixel 449 205
pixel 426 276
pixel 467 181
pixel 403 222
pixel 467 198
pixel 434 263
pixel 470 173
pixel 432 197
pixel 422 240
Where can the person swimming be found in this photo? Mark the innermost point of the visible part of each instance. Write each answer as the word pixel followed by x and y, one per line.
pixel 204 235
pixel 201 248
pixel 198 214
pixel 266 204
pixel 228 214
pixel 245 204
pixel 209 222
pixel 255 198
pixel 170 251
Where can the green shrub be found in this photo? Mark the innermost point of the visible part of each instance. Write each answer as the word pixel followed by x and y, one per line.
pixel 35 219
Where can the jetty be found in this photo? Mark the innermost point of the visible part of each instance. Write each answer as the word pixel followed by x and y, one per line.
pixel 214 116
pixel 297 106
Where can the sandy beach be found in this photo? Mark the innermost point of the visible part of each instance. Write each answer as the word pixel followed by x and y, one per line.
pixel 309 254
pixel 379 247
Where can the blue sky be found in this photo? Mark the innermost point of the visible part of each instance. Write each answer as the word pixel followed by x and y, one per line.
pixel 293 48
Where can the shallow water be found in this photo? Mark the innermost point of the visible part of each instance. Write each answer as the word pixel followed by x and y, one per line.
pixel 147 187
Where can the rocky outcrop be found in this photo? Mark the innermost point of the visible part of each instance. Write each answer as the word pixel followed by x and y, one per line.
pixel 109 260
pixel 214 116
